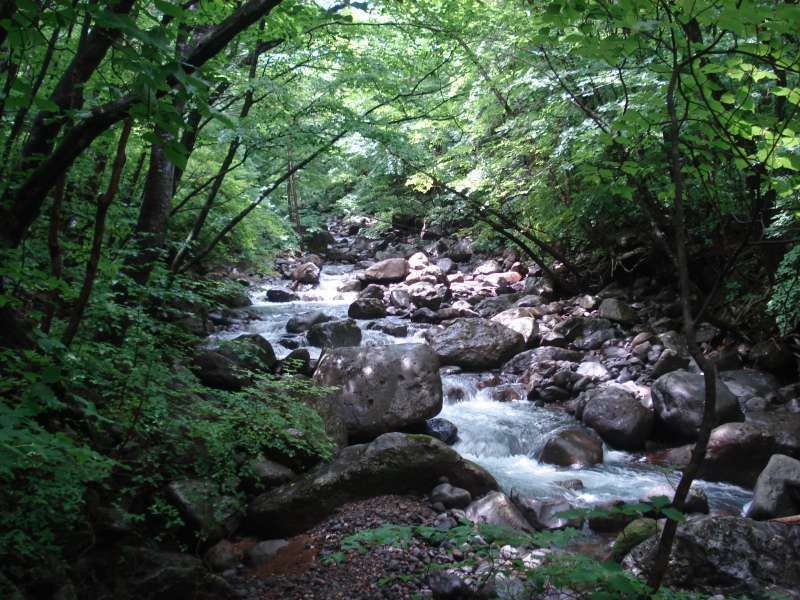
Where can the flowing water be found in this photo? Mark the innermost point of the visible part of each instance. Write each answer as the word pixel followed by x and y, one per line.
pixel 503 437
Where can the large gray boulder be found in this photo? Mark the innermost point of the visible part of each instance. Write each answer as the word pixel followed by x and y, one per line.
pixel 619 417
pixel 306 273
pixel 777 491
pixel 367 308
pixel 784 426
pixel 733 556
pixel 746 384
pixel 304 321
pixel 334 334
pixel 210 514
pixel 476 344
pixel 616 310
pixel 391 270
pixel 522 362
pixel 573 446
pixel 496 508
pixel 382 388
pixel 678 400
pixel 736 453
pixel 394 463
pixel 228 367
pixel 521 320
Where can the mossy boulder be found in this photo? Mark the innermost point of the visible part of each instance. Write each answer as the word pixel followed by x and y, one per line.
pixel 634 534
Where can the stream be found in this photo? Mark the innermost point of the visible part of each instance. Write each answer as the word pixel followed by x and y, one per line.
pixel 503 437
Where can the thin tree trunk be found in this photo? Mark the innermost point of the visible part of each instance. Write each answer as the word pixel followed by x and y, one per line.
pixel 103 204
pixel 54 250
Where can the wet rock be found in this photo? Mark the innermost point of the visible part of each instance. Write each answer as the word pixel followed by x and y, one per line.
pixel 450 496
pixel 448 586
pixel 476 344
pixel 593 370
pixel 280 295
pixel 263 552
pixel 733 556
pixel 573 446
pixel 488 307
pixel 634 534
pixel 777 490
pixel 373 290
pixel 382 388
pixel 619 417
pixel 394 463
pixel 393 329
pixel 210 514
pixel 334 334
pixel 570 484
pixel 667 362
pixel 367 308
pixel 390 270
pixel 521 320
pixel 737 453
pixel 678 400
pixel 425 315
pixel 223 556
pixel 497 509
pixel 306 273
pixel 304 321
pixel 441 429
pixel 507 392
pixel 616 310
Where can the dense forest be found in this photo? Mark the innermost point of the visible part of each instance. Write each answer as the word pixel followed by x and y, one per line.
pixel 399 299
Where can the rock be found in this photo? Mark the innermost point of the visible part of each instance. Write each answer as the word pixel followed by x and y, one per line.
pixel 737 452
pixel 573 446
pixel 667 362
pixel 367 308
pixel 543 515
pixel 619 417
pixel 382 388
pixel 489 307
pixel 263 552
pixel 390 270
pixel 774 356
pixel 678 400
pixel 297 361
pixel 426 295
pixel 250 351
pixel 418 260
pixel 217 371
pixel 616 310
pixel 394 463
pixel 212 515
pixel 268 474
pixel 442 430
pixel 461 251
pixel 610 517
pixel 522 362
pixel 400 298
pixel 448 586
pixel 593 370
pixel 334 334
pixel 446 265
pixel 521 320
pixel 476 344
pixel 425 315
pixel 279 295
pixel 746 384
pixel 373 290
pixel 306 273
pixel 451 497
pixel 733 556
pixel 488 267
pixel 777 490
pixel 497 509
pixel 153 574
pixel 785 427
pixel 223 556
pixel 304 321
pixel 696 500
pixel 570 484
pixel 393 329
pixel 634 534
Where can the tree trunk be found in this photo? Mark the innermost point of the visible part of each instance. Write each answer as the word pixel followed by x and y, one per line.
pixel 97 239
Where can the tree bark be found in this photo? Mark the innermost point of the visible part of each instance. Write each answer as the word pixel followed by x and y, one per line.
pixel 103 204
